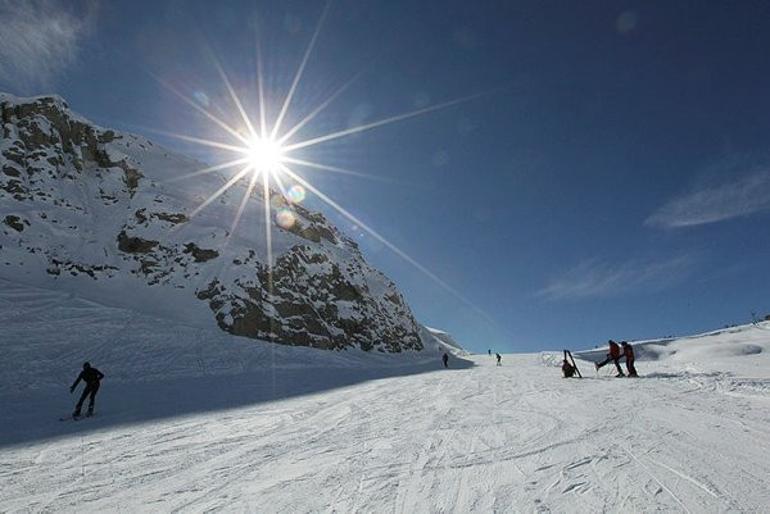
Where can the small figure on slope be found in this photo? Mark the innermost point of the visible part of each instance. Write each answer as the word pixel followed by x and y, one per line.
pixel 499 358
pixel 91 377
pixel 489 352
pixel 445 359
pixel 567 368
pixel 628 352
pixel 612 356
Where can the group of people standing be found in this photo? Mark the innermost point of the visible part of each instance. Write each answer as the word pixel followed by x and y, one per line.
pixel 614 356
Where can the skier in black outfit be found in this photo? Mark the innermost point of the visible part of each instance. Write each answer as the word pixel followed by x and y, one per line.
pixel 499 358
pixel 92 377
pixel 445 359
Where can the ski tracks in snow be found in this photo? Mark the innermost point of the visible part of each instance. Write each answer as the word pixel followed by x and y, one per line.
pixel 485 439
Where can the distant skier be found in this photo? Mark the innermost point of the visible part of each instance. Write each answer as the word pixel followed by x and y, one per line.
pixel 445 359
pixel 612 356
pixel 567 368
pixel 628 353
pixel 92 378
pixel 499 358
pixel 489 352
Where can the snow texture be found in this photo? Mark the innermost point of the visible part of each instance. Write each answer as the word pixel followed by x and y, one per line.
pixel 194 419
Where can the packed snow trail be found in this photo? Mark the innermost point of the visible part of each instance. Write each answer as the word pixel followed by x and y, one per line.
pixel 486 438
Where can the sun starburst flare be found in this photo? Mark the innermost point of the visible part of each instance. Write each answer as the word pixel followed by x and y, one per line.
pixel 263 153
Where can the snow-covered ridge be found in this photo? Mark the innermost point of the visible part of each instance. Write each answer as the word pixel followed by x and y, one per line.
pixel 445 342
pixel 95 212
pixel 731 360
pixel 737 341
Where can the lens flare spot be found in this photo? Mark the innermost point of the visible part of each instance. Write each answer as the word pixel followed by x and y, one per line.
pixel 278 202
pixel 202 98
pixel 296 193
pixel 264 154
pixel 627 22
pixel 285 218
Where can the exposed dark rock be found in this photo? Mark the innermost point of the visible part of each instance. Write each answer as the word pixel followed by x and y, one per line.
pixel 171 218
pixel 200 254
pixel 140 216
pixel 130 244
pixel 15 222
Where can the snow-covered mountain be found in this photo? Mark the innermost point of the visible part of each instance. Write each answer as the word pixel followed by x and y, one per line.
pixel 101 214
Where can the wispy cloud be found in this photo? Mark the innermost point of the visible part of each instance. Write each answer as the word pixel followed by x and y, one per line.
pixel 740 197
pixel 39 39
pixel 595 278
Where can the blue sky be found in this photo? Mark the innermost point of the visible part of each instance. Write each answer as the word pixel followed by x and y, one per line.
pixel 614 180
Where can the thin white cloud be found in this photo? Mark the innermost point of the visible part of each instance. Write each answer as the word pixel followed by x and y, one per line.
pixel 740 197
pixel 40 39
pixel 595 278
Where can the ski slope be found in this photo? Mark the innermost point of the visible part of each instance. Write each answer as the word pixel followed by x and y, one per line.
pixel 237 425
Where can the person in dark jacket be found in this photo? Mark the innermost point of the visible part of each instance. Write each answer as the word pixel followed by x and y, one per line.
pixel 445 359
pixel 628 353
pixel 612 356
pixel 92 378
pixel 499 359
pixel 567 369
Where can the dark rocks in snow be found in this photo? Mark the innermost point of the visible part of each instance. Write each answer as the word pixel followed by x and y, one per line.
pixel 130 244
pixel 322 308
pixel 200 254
pixel 83 185
pixel 15 222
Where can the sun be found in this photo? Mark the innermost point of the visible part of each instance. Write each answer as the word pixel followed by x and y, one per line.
pixel 264 154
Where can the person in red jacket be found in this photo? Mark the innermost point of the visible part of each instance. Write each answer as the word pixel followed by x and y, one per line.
pixel 628 353
pixel 613 356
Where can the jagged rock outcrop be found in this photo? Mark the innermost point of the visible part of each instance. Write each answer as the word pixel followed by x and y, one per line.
pixel 92 208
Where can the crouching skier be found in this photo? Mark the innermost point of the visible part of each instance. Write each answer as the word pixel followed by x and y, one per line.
pixel 612 356
pixel 91 377
pixel 628 353
pixel 567 368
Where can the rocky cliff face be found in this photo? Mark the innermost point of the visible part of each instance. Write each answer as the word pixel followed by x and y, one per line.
pixel 98 212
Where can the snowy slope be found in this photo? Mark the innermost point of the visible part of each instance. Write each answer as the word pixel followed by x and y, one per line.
pixel 744 346
pixel 267 428
pixel 445 342
pixel 101 214
pixel 54 332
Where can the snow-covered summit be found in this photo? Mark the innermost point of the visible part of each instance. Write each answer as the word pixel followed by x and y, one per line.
pixel 100 213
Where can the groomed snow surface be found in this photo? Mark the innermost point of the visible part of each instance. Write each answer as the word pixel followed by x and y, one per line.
pixel 196 420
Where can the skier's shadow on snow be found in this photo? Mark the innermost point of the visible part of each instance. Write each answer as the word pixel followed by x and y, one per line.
pixel 35 415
